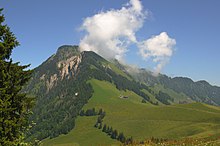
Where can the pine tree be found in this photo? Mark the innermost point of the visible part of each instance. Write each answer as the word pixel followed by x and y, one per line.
pixel 129 140
pixel 104 128
pixel 144 101
pixel 114 134
pixel 99 120
pixel 121 137
pixel 102 115
pixel 14 105
pixel 107 130
pixel 100 126
pixel 93 112
pixel 100 112
pixel 82 113
pixel 96 125
pixel 110 131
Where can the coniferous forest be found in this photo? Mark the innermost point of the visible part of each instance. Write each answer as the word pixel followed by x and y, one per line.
pixel 15 107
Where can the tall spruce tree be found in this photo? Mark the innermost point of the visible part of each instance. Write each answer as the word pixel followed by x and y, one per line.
pixel 14 105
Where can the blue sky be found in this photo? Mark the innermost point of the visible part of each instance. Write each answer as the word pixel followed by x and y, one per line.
pixel 42 26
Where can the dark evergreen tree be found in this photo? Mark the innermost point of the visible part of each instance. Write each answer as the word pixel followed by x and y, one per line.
pixel 104 129
pixel 93 111
pixel 121 137
pixel 96 125
pixel 100 111
pixel 102 115
pixel 90 112
pixel 14 105
pixel 99 120
pixel 129 140
pixel 82 113
pixel 114 134
pixel 107 130
pixel 144 101
pixel 110 131
pixel 100 126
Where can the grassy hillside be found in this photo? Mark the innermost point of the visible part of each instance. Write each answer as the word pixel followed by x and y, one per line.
pixel 178 97
pixel 84 134
pixel 139 120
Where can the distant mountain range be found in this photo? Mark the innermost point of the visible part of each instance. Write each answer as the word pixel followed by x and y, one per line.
pixel 62 87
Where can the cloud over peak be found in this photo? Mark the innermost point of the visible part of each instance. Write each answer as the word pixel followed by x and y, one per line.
pixel 110 33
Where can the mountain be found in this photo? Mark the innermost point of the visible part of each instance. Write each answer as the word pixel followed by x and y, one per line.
pixel 200 91
pixel 60 85
pixel 73 86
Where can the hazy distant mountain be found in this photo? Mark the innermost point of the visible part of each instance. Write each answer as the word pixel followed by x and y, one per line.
pixel 200 91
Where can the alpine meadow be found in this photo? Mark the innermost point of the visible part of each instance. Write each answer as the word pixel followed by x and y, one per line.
pixel 100 73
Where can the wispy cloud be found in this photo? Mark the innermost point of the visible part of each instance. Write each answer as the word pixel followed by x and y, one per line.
pixel 110 33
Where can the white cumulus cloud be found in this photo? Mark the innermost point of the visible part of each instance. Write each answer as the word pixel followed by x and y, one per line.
pixel 109 33
pixel 160 48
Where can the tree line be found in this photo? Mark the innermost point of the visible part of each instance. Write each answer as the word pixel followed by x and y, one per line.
pixel 164 98
pixel 113 133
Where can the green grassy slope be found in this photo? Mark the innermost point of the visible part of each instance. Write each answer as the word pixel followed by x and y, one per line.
pixel 116 69
pixel 139 120
pixel 178 97
pixel 84 134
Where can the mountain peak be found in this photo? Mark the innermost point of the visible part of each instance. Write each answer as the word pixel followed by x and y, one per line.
pixel 67 47
pixel 67 51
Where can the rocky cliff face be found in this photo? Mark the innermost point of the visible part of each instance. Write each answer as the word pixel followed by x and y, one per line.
pixel 68 67
pixel 64 64
pixel 61 91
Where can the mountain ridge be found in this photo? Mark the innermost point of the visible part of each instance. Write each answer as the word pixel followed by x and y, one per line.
pixel 62 88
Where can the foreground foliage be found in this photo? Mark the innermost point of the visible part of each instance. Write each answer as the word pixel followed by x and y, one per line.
pixel 14 105
pixel 182 142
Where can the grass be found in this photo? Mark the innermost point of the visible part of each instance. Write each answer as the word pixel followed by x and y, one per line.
pixel 176 96
pixel 139 120
pixel 116 69
pixel 84 134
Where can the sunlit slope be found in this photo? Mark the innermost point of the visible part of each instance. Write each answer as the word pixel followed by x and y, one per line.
pixel 83 134
pixel 139 120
